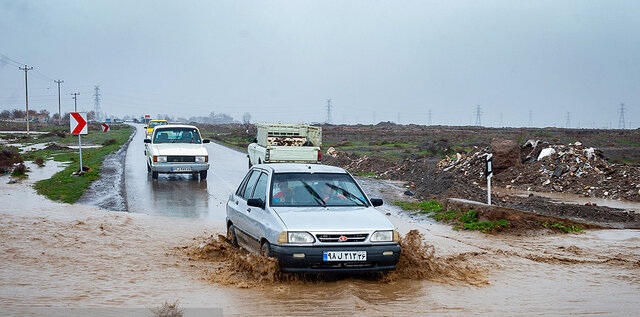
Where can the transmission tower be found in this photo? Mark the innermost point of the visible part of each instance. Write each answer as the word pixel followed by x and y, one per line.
pixel 329 120
pixel 530 118
pixel 621 121
pixel 430 122
pixel 478 115
pixel 96 101
pixel 568 124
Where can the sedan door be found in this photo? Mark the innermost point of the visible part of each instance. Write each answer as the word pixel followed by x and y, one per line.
pixel 244 217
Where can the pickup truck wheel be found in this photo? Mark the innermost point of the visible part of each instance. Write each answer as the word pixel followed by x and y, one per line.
pixel 265 249
pixel 203 174
pixel 231 235
pixel 154 175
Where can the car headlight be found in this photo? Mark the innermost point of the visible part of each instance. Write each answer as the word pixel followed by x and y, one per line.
pixel 202 159
pixel 384 236
pixel 160 159
pixel 295 237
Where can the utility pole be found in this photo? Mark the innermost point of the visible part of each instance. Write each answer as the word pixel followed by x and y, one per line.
pixel 75 101
pixel 59 114
pixel 329 111
pixel 26 92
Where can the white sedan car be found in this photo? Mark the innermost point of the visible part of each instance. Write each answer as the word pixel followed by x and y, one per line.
pixel 313 218
pixel 176 148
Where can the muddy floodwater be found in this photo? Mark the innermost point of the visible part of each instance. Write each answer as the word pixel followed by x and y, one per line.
pixel 79 260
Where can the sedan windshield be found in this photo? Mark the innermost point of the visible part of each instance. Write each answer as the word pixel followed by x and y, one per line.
pixel 318 189
pixel 177 135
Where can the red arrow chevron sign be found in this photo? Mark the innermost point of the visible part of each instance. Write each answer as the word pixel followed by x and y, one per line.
pixel 105 127
pixel 78 123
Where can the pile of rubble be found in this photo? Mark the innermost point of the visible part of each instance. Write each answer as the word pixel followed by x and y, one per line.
pixel 544 167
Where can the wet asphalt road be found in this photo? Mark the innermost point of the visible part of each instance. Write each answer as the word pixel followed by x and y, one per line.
pixel 182 195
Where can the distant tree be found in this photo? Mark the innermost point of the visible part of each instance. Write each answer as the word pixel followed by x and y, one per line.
pixel 18 114
pixel 5 115
pixel 246 118
pixel 91 115
pixel 66 118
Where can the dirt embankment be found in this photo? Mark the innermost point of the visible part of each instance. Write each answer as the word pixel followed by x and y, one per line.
pixel 545 166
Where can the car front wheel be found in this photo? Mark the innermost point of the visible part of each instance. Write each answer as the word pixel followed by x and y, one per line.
pixel 203 174
pixel 231 235
pixel 265 249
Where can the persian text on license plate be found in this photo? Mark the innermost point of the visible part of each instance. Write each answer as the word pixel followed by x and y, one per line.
pixel 181 169
pixel 329 256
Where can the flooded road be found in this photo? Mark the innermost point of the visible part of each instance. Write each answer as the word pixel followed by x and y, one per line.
pixel 56 257
pixel 181 195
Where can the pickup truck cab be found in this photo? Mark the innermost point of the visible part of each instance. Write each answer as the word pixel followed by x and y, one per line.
pixel 176 148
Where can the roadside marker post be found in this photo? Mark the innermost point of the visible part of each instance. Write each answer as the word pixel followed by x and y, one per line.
pixel 78 125
pixel 488 172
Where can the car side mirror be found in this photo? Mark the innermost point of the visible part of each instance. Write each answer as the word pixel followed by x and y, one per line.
pixel 147 140
pixel 256 202
pixel 376 202
pixel 206 141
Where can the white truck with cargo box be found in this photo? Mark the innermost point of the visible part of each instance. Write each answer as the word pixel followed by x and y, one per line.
pixel 285 143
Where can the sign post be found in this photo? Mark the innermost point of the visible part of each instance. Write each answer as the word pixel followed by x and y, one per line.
pixel 78 125
pixel 489 173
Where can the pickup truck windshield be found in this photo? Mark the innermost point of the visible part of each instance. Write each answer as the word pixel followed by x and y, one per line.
pixel 318 189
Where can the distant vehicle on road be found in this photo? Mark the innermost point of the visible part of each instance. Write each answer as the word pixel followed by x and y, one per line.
pixel 176 148
pixel 312 218
pixel 281 142
pixel 152 124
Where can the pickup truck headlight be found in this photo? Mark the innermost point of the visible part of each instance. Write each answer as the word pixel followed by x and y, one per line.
pixel 202 159
pixel 295 237
pixel 384 236
pixel 160 159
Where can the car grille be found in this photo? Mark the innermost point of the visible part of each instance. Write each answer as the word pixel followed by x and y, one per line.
pixel 181 159
pixel 335 238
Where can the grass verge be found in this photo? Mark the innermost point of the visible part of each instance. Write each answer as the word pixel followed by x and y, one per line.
pixel 460 220
pixel 67 185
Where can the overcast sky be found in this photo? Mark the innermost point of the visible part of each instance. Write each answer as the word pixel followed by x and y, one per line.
pixel 516 63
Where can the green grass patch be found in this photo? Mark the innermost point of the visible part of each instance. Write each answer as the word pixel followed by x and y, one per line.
pixel 67 187
pixel 559 226
pixel 366 174
pixel 460 220
pixel 429 206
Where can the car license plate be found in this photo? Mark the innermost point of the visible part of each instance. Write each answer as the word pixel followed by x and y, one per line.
pixel 181 169
pixel 329 256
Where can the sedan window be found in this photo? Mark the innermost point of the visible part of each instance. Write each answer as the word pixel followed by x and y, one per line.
pixel 317 189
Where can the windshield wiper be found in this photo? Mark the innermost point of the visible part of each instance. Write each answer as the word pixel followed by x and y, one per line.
pixel 347 194
pixel 314 194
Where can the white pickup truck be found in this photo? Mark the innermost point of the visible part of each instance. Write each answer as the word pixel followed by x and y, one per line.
pixel 280 143
pixel 175 148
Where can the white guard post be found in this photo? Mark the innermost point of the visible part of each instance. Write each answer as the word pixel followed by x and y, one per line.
pixel 489 173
